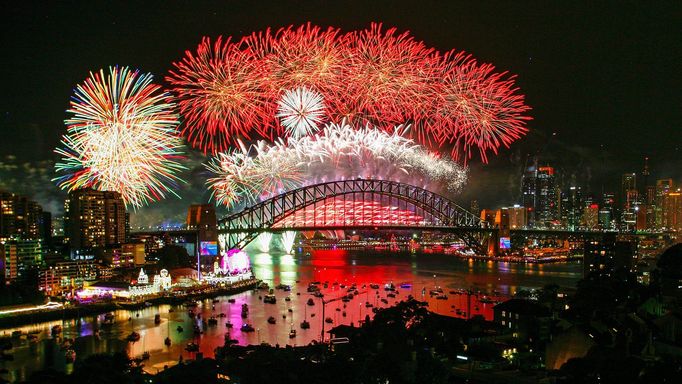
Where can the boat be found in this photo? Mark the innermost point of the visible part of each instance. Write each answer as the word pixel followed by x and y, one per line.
pixel 147 304
pixel 145 355
pixel 405 285
pixel 389 287
pixel 263 285
pixel 247 328
pixel 221 315
pixel 167 341
pixel 290 310
pixel 192 347
pixel 284 315
pixel 328 320
pixel 231 301
pixel 292 333
pixel 271 299
pixel 179 328
pixel 287 298
pixel 157 319
pixel 374 286
pixel 197 330
pixel 133 337
pixel 245 315
pixel 109 317
pixel 390 294
pixel 310 302
pixel 384 301
pixel 318 294
pixel 271 320
pixel 368 305
pixel 486 300
pixel 442 297
pixel 343 313
pixel 70 355
pixel 212 321
pixel 312 315
pixel 215 301
pixel 228 324
pixel 245 307
pixel 305 324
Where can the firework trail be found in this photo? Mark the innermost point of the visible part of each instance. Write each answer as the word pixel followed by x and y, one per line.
pixel 229 90
pixel 300 111
pixel 288 239
pixel 121 137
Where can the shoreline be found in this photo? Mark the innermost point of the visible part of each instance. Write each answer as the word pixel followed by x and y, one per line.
pixel 100 308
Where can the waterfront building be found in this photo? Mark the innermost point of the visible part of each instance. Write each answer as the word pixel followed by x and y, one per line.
pixel 125 291
pixel 19 256
pixel 95 218
pixel 66 275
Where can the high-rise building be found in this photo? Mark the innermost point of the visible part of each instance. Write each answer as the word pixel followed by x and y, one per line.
pixel 572 208
pixel 95 219
pixel 606 211
pixel 629 202
pixel 663 186
pixel 546 208
pixel 672 210
pixel 529 196
pixel 591 217
pixel 19 217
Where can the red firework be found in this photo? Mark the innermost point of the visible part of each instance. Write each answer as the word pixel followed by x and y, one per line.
pixel 230 90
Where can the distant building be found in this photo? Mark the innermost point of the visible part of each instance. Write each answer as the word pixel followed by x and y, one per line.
pixel 19 217
pixel 572 208
pixel 672 210
pixel 629 199
pixel 517 217
pixel 663 187
pixel 21 255
pixel 525 319
pixel 528 194
pixel 606 211
pixel 607 257
pixel 547 207
pixel 67 275
pixel 591 217
pixel 95 219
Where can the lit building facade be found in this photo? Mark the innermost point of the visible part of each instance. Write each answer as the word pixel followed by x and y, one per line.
pixel 95 218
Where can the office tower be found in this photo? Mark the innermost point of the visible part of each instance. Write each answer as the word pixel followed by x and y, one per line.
pixel 528 194
pixel 629 201
pixel 607 211
pixel 95 219
pixel 672 210
pixel 20 256
pixel 546 208
pixel 572 208
pixel 517 217
pixel 590 219
pixel 663 186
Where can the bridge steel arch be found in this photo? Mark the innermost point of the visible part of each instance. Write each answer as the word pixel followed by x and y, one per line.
pixel 238 229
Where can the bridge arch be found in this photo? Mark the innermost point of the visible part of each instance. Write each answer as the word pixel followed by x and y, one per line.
pixel 238 229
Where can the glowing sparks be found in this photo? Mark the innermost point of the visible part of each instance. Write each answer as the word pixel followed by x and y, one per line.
pixel 229 90
pixel 288 239
pixel 301 111
pixel 264 241
pixel 339 151
pixel 121 138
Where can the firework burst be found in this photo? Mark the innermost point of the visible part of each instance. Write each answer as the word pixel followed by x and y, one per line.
pixel 301 111
pixel 121 138
pixel 374 76
pixel 336 152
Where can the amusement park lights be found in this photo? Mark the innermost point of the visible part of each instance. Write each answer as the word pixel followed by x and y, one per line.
pixel 121 137
pixel 230 89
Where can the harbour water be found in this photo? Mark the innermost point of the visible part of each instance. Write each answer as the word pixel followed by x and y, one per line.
pixel 417 274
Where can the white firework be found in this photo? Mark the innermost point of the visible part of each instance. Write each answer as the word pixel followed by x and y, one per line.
pixel 300 110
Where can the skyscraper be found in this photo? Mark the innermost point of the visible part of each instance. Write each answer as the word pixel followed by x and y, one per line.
pixel 528 191
pixel 663 186
pixel 20 217
pixel 546 203
pixel 95 218
pixel 629 201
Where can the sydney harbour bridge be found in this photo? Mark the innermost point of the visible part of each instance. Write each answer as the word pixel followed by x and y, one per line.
pixel 357 204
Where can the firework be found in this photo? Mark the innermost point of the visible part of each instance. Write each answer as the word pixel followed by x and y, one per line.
pixel 121 138
pixel 288 239
pixel 229 90
pixel 336 152
pixel 300 111
pixel 264 241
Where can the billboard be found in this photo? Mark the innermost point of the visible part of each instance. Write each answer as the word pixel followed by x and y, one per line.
pixel 208 248
pixel 505 243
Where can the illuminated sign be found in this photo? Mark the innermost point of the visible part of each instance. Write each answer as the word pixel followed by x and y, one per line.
pixel 209 248
pixel 505 243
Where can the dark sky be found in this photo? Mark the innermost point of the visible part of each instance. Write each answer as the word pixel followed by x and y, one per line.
pixel 604 80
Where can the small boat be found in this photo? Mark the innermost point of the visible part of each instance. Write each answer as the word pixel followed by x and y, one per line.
pixel 179 328
pixel 57 329
pixel 271 320
pixel 405 285
pixel 318 294
pixel 197 330
pixel 167 341
pixel 368 305
pixel 384 301
pixel 290 310
pixel 271 299
pixel 292 333
pixel 310 302
pixel 374 286
pixel 157 319
pixel 228 324
pixel 192 347
pixel 231 301
pixel 245 307
pixel 247 328
pixel 109 317
pixel 145 355
pixel 212 321
pixel 328 320
pixel 133 337
pixel 147 304
pixel 442 297
pixel 305 324
pixel 245 315
pixel 287 298
pixel 284 315
pixel 215 301
pixel 342 286
pixel 171 310
pixel 486 300
pixel 343 313
pixel 338 309
pixel 312 315
pixel 390 294
pixel 70 355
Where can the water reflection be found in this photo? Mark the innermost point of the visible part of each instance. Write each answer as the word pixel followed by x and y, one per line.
pixel 344 268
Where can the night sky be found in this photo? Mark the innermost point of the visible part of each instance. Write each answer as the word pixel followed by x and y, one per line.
pixel 604 80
